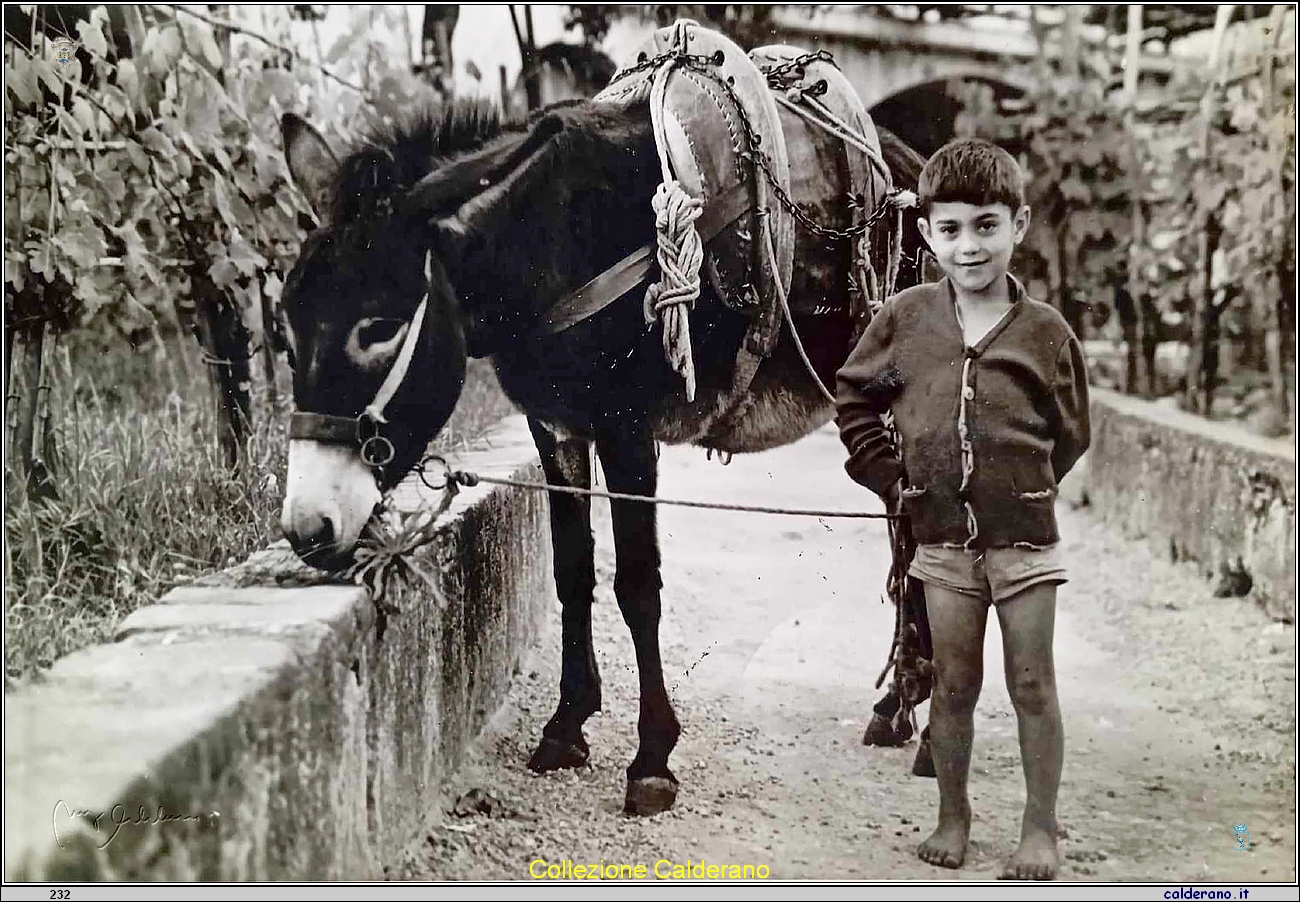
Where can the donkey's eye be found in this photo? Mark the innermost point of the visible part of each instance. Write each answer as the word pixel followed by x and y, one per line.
pixel 375 330
pixel 375 340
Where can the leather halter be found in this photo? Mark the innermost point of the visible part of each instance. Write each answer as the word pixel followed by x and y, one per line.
pixel 363 430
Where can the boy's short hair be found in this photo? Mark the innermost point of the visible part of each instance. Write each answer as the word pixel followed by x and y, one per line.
pixel 971 171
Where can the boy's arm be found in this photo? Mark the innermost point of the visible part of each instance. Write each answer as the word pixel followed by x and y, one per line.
pixel 865 386
pixel 1070 395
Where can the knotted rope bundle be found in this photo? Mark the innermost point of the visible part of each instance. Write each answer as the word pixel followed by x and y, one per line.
pixel 679 250
pixel 680 254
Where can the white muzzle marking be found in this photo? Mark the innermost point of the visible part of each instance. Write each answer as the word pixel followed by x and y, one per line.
pixel 329 497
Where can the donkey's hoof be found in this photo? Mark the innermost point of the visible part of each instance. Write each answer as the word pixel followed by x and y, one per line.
pixel 552 754
pixel 650 795
pixel 923 766
pixel 880 731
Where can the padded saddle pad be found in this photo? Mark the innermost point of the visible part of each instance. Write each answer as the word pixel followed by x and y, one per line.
pixel 706 142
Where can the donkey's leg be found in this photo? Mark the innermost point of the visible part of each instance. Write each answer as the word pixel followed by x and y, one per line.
pixel 630 466
pixel 568 463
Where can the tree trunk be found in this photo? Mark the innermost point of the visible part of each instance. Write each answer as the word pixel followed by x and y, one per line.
pixel 1150 318
pixel 224 339
pixel 1132 64
pixel 1144 363
pixel 1126 310
pixel 1281 322
pixel 33 345
pixel 1069 304
pixel 9 362
pixel 1203 363
pixel 222 332
pixel 1279 329
pixel 1200 363
pixel 268 352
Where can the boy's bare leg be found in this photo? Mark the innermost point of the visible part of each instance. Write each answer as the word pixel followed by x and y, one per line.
pixel 1028 622
pixel 957 628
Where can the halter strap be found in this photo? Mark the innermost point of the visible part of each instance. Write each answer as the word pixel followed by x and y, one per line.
pixel 375 409
pixel 321 427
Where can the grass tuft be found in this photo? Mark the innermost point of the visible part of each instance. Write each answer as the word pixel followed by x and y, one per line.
pixel 144 503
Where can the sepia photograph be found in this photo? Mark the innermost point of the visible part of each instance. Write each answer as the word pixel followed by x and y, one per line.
pixel 826 448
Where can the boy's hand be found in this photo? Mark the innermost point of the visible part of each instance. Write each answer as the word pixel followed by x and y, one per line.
pixel 893 496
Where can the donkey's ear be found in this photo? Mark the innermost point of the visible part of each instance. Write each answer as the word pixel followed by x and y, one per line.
pixel 311 162
pixel 449 187
pixel 505 192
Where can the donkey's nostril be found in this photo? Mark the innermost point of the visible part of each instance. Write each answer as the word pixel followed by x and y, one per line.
pixel 313 538
pixel 325 536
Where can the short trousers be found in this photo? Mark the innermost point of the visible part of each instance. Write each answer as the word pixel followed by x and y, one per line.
pixel 991 574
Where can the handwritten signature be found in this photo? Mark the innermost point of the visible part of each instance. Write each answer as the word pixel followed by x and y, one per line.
pixel 118 818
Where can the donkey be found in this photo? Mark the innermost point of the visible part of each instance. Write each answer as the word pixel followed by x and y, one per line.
pixel 490 226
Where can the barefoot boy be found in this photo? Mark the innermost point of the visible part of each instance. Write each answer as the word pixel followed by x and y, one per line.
pixel 990 399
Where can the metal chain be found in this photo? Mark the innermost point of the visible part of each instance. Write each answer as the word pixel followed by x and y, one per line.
pixel 775 75
pixel 701 63
pixel 755 140
pixel 694 60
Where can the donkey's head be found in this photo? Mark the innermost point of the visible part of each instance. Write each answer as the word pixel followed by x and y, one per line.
pixel 379 336
pixel 374 330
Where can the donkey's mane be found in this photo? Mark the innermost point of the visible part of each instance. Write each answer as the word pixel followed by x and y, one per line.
pixel 393 156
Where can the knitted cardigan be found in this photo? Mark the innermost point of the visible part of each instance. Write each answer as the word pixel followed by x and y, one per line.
pixel 987 432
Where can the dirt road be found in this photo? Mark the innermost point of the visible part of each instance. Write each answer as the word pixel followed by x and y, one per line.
pixel 1179 711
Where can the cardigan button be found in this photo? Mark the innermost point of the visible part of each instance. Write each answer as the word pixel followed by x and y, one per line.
pixel 968 393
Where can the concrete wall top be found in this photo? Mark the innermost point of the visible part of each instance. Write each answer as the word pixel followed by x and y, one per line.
pixel 267 723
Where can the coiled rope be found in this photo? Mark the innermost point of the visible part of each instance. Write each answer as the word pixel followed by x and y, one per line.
pixel 680 252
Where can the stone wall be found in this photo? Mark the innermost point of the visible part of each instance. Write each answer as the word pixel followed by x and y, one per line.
pixel 1198 490
pixel 267 724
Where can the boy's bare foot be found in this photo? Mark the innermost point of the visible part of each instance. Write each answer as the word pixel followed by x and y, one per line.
pixel 946 847
pixel 1034 860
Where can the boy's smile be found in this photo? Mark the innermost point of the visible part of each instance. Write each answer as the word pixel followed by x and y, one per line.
pixel 973 244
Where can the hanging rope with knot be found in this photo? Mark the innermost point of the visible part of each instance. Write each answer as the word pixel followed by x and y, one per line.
pixel 680 252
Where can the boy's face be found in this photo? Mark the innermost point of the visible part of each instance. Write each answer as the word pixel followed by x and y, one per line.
pixel 973 244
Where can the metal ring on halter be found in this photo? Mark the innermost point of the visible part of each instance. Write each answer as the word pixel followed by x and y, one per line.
pixel 377 451
pixel 446 472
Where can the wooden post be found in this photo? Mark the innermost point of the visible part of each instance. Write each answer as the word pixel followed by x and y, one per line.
pixel 527 57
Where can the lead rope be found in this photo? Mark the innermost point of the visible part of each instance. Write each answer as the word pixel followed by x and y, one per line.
pixel 453 479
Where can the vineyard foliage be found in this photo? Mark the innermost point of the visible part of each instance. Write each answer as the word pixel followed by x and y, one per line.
pixel 168 164
pixel 1073 147
pixel 1211 157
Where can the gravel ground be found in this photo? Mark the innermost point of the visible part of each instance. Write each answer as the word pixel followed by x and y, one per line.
pixel 1179 712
